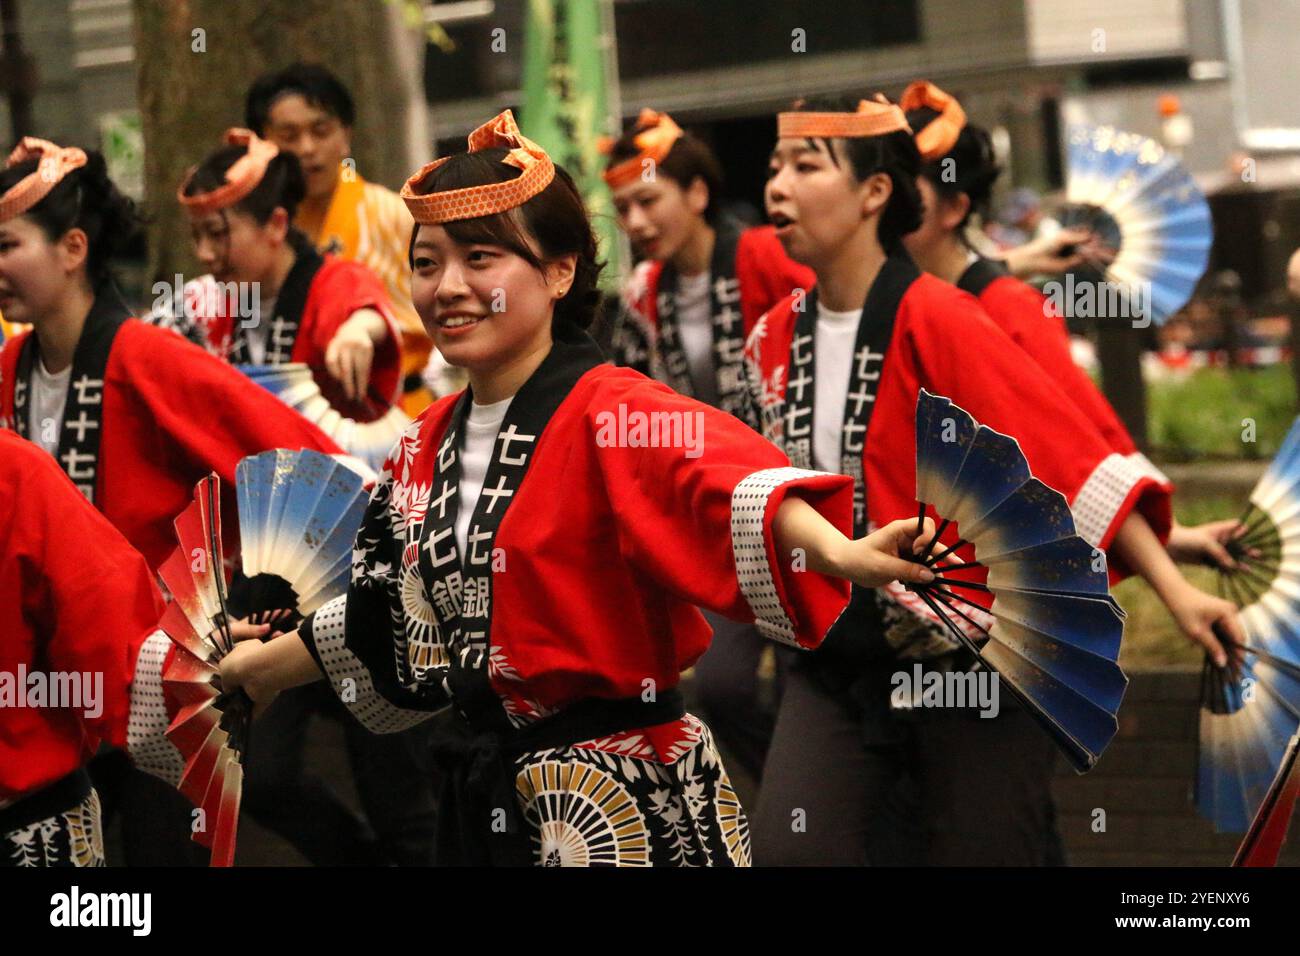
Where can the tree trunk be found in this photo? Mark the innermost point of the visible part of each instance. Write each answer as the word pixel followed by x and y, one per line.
pixel 197 59
pixel 1119 352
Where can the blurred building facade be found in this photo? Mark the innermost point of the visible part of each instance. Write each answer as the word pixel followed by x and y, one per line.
pixel 1023 68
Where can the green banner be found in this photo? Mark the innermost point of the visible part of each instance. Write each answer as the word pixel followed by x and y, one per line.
pixel 570 87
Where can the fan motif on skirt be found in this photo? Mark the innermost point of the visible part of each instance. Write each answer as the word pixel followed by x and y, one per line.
pixel 1144 205
pixel 1055 635
pixel 1247 777
pixel 293 384
pixel 298 515
pixel 582 816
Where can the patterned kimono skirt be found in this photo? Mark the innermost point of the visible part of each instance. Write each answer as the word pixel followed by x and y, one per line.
pixel 71 837
pixel 653 797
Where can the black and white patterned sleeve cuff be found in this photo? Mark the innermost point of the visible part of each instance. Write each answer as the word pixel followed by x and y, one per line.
pixel 348 676
pixel 147 722
pixel 754 571
pixel 1106 493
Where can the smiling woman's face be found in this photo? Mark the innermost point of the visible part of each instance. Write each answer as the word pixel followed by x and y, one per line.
pixel 483 305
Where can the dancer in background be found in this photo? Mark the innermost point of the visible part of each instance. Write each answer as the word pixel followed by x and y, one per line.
pixel 133 414
pixel 329 313
pixel 686 309
pixel 306 110
pixel 837 385
pixel 957 175
pixel 527 560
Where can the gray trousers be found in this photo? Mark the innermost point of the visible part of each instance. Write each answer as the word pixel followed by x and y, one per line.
pixel 848 783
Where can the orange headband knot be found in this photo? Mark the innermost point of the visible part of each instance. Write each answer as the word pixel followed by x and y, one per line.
pixel 655 135
pixel 873 118
pixel 55 163
pixel 939 136
pixel 490 198
pixel 241 178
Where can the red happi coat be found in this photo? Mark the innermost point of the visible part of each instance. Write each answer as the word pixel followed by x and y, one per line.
pixel 148 416
pixel 1024 314
pixel 591 549
pixel 75 598
pixel 943 341
pixel 318 296
pixel 749 269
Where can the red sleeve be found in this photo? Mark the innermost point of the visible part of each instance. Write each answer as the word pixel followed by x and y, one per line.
pixel 340 288
pixel 90 589
pixel 212 415
pixel 697 517
pixel 1023 313
pixel 766 274
pixel 964 356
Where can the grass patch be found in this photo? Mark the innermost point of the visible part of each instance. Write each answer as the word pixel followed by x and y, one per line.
pixel 1202 416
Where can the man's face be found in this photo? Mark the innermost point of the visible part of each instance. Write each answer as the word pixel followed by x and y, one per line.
pixel 319 140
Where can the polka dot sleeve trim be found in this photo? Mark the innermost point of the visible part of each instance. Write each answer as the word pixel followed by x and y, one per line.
pixel 325 634
pixel 1098 503
pixel 147 721
pixel 749 545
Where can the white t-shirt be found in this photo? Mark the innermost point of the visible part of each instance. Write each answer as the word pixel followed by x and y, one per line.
pixel 481 428
pixel 833 342
pixel 49 397
pixel 695 325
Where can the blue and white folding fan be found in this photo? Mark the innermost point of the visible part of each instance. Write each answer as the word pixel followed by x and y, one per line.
pixel 1144 205
pixel 1248 718
pixel 293 384
pixel 299 512
pixel 1056 632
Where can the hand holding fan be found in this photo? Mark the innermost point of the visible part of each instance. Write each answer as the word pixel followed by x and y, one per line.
pixel 298 515
pixel 293 384
pixel 1056 631
pixel 1249 719
pixel 1142 203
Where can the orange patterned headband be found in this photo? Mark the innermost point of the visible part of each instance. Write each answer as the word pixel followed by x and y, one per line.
pixel 490 198
pixel 241 178
pixel 55 163
pixel 939 136
pixel 655 136
pixel 872 118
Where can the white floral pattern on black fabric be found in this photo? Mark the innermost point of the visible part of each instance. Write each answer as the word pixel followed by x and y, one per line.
pixel 586 805
pixel 73 838
pixel 147 723
pixel 756 576
pixel 1104 493
pixel 349 678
